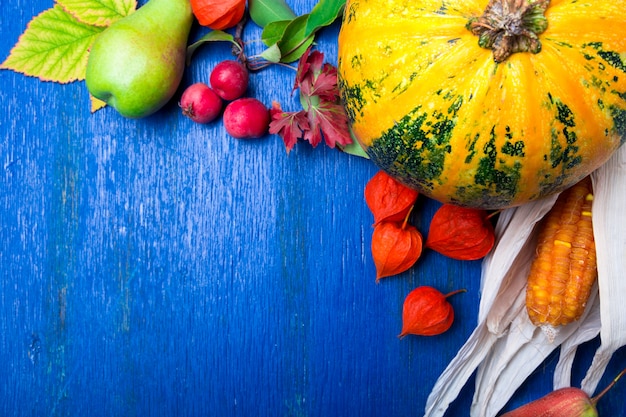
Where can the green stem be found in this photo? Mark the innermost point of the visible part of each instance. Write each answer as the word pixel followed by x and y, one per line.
pixel 595 399
pixel 454 292
pixel 406 218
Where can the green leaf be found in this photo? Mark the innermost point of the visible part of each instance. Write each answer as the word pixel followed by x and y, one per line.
pixel 264 12
pixel 274 31
pixel 298 50
pixel 54 47
pixel 323 14
pixel 213 36
pixel 294 36
pixel 294 43
pixel 272 54
pixel 354 148
pixel 98 12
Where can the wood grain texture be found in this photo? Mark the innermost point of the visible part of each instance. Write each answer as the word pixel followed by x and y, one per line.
pixel 159 268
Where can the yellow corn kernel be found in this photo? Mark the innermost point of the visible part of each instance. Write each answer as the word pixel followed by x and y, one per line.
pixel 564 268
pixel 562 243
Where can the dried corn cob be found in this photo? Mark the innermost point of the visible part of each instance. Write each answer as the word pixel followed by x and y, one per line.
pixel 564 268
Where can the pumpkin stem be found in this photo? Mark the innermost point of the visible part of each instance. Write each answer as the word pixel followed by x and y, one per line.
pixel 510 26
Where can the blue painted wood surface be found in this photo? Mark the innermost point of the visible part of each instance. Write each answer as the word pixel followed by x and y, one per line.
pixel 159 268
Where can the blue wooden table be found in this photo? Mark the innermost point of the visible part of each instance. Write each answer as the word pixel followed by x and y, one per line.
pixel 156 267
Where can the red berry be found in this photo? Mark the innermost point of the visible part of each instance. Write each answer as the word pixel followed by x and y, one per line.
pixel 246 118
pixel 200 103
pixel 229 79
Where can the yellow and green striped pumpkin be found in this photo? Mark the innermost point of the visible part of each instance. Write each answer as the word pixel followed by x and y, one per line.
pixel 485 104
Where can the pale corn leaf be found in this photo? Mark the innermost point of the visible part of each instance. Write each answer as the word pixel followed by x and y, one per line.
pixel 504 369
pixel 514 357
pixel 507 307
pixel 511 360
pixel 588 330
pixel 609 230
pixel 505 347
pixel 513 229
pixel 456 374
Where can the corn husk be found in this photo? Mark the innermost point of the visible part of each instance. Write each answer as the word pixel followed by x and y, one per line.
pixel 609 229
pixel 505 347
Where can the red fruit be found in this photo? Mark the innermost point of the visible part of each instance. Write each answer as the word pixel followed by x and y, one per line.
pixel 461 233
pixel 246 118
pixel 218 15
pixel 427 312
pixel 388 199
pixel 395 248
pixel 229 79
pixel 564 402
pixel 200 103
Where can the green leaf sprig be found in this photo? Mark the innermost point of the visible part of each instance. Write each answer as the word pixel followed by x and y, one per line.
pixel 212 36
pixel 288 39
pixel 286 35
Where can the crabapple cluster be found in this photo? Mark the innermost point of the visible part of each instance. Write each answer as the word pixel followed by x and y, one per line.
pixel 243 117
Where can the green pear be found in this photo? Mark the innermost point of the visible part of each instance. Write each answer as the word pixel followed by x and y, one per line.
pixel 137 63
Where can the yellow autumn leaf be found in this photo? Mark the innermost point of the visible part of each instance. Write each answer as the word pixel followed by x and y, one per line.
pixel 98 12
pixel 54 47
pixel 96 104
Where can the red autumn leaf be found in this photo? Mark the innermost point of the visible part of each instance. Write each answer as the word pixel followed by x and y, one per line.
pixel 323 85
pixel 461 233
pixel 395 248
pixel 290 126
pixel 332 125
pixel 309 65
pixel 426 312
pixel 388 199
pixel 326 118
